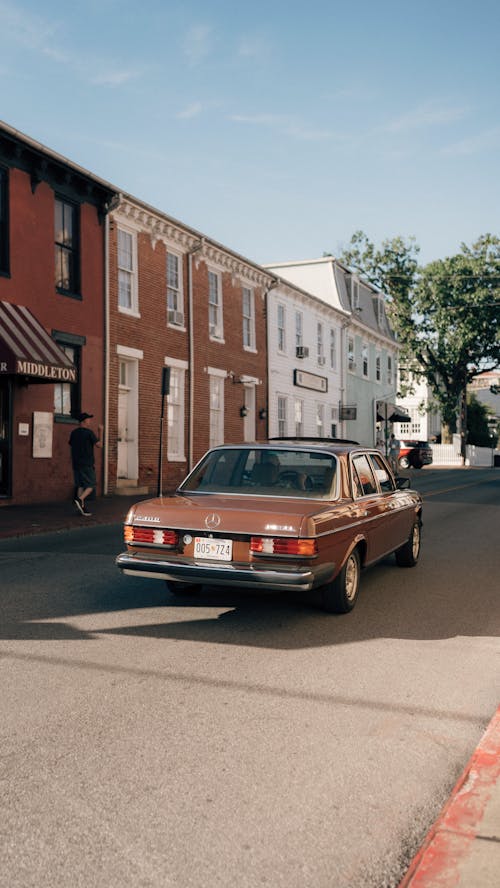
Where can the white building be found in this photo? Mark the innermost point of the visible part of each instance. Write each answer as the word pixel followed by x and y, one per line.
pixel 306 364
pixel 367 349
pixel 425 420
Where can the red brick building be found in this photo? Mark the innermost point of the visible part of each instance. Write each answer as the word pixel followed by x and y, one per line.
pixel 52 320
pixel 178 299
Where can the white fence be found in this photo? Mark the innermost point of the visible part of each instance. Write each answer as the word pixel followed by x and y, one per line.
pixel 449 455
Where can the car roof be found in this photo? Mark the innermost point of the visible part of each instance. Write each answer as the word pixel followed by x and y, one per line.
pixel 332 445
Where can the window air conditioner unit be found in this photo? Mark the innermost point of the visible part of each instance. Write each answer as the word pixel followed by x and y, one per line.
pixel 175 317
pixel 321 361
pixel 301 351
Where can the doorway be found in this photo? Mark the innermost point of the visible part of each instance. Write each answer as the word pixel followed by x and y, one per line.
pixel 5 437
pixel 249 421
pixel 127 439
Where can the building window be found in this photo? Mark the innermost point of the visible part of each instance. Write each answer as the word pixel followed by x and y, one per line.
pixel 67 259
pixel 175 414
pixel 282 417
pixel 364 356
pixel 299 417
pixel 377 368
pixel 333 349
pixel 351 365
pixel 281 328
pixel 67 395
pixel 248 308
pixel 320 344
pixel 4 221
pixel 216 410
pixel 215 305
pixel 334 415
pixel 320 420
pixel 299 333
pixel 389 370
pixel 127 272
pixel 175 300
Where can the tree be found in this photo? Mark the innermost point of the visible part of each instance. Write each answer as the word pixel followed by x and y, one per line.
pixel 445 314
pixel 480 424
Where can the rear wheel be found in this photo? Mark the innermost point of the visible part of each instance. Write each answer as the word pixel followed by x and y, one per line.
pixel 183 588
pixel 404 462
pixel 340 596
pixel 407 555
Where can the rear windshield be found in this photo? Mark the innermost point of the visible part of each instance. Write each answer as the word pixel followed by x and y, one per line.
pixel 253 471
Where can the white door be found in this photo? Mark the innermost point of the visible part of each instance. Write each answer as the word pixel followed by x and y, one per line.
pixel 127 456
pixel 249 421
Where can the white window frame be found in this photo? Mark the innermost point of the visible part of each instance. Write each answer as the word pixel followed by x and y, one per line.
pixel 320 344
pixel 216 407
pixel 175 289
pixel 282 416
pixel 128 270
pixel 333 348
pixel 389 370
pixel 320 419
pixel 281 327
pixel 176 410
pixel 378 369
pixel 215 306
pixel 351 356
pixel 298 409
pixel 299 329
pixel 248 318
pixel 365 360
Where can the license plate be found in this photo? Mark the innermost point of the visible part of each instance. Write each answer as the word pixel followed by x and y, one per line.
pixel 214 550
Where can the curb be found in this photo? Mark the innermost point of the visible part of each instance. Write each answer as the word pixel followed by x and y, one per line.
pixel 449 843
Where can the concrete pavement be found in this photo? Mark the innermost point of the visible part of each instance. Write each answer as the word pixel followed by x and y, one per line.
pixel 462 848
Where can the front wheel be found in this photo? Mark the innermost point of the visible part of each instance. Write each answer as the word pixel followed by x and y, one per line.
pixel 340 596
pixel 404 462
pixel 407 555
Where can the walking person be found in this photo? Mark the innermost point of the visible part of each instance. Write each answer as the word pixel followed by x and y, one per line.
pixel 394 448
pixel 82 442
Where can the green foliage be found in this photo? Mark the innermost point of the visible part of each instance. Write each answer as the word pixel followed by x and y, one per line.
pixel 479 424
pixel 445 314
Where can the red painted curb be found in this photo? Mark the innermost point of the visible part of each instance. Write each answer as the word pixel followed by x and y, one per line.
pixel 449 840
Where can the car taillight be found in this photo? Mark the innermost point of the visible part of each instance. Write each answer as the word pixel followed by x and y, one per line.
pixel 153 535
pixel 283 546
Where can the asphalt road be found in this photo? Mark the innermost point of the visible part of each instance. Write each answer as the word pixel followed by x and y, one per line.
pixel 241 739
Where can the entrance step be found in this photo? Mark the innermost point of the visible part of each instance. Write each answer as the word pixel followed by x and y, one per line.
pixel 129 487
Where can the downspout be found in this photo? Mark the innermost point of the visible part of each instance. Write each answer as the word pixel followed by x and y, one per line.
pixel 190 254
pixel 113 203
pixel 274 283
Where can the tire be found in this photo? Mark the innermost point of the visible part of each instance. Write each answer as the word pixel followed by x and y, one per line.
pixel 340 596
pixel 407 555
pixel 183 588
pixel 404 462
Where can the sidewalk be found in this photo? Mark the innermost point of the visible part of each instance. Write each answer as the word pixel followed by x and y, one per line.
pixel 47 517
pixel 462 848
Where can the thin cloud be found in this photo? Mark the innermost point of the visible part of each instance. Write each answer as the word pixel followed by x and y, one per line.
pixel 192 110
pixel 253 47
pixel 197 44
pixel 423 117
pixel 489 140
pixel 114 77
pixel 286 126
pixel 25 28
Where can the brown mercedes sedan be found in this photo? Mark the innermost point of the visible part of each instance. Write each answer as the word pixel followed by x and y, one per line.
pixel 284 514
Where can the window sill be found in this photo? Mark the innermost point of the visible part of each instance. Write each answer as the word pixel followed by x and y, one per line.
pixel 175 457
pixel 250 349
pixel 65 419
pixel 68 293
pixel 131 312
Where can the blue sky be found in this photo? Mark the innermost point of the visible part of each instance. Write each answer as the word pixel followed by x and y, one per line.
pixel 278 128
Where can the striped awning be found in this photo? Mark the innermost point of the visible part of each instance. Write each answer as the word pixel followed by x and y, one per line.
pixel 26 349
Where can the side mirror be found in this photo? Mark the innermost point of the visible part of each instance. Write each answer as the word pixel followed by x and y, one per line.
pixel 402 483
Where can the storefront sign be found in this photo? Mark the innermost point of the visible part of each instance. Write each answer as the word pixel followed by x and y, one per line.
pixel 310 381
pixel 348 413
pixel 46 371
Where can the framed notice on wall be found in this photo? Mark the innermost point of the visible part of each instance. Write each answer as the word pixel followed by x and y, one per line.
pixel 43 426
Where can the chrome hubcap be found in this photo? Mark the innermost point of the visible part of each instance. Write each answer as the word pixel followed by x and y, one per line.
pixel 416 541
pixel 351 578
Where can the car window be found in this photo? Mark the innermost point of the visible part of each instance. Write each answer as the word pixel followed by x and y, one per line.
pixel 365 475
pixel 382 475
pixel 254 471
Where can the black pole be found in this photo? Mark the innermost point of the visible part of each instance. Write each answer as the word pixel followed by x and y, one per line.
pixel 165 388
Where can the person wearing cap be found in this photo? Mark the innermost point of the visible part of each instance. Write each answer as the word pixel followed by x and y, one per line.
pixel 82 442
